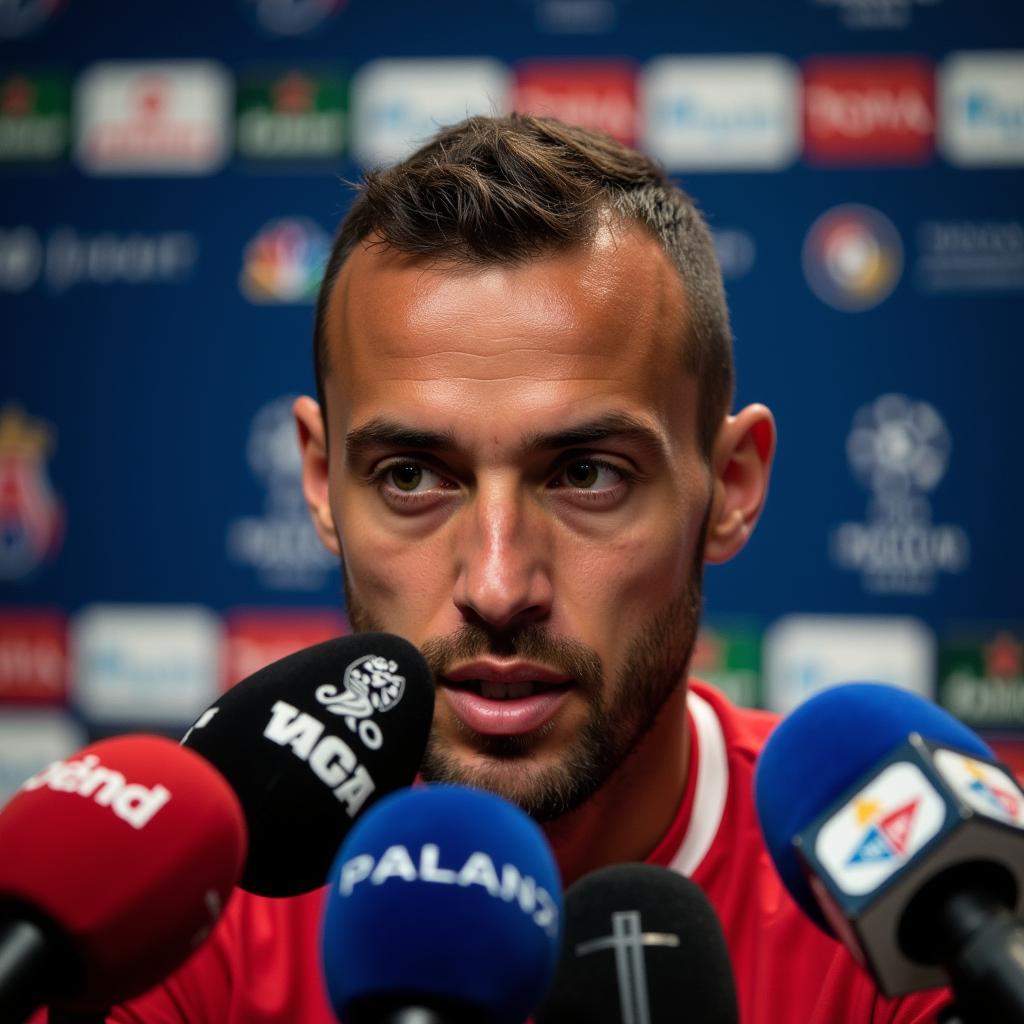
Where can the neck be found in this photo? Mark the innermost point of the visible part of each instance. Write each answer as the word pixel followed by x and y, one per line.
pixel 625 819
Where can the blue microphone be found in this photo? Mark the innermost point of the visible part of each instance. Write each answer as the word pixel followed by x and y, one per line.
pixel 895 830
pixel 443 907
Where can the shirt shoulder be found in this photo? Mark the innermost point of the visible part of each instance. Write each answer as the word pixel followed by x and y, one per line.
pixel 745 730
pixel 261 965
pixel 786 969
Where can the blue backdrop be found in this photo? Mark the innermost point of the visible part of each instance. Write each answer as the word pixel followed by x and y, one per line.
pixel 170 175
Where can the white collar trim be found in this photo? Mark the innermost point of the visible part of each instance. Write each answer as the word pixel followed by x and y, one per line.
pixel 711 787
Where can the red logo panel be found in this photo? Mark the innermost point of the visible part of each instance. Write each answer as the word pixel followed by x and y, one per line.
pixel 254 638
pixel 1011 752
pixel 869 110
pixel 33 656
pixel 592 94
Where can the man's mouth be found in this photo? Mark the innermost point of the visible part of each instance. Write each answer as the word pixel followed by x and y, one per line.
pixel 504 699
pixel 493 689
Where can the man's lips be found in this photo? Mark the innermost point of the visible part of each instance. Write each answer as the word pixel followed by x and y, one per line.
pixel 504 698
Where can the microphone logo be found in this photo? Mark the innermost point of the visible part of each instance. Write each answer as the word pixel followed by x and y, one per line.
pixel 627 940
pixel 371 683
pixel 131 802
pixel 880 829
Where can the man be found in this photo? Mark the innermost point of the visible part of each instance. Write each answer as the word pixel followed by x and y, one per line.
pixel 523 454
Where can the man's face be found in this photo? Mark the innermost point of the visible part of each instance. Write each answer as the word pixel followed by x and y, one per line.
pixel 516 487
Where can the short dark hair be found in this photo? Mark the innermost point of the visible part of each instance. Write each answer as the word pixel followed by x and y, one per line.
pixel 505 189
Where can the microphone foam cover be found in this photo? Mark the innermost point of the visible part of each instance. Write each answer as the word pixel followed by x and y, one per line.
pixel 642 943
pixel 311 741
pixel 126 854
pixel 442 897
pixel 823 748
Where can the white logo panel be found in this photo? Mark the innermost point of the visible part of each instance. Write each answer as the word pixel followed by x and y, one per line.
pixel 981 104
pixel 397 105
pixel 986 788
pixel 145 663
pixel 805 654
pixel 711 113
pixel 870 838
pixel 169 117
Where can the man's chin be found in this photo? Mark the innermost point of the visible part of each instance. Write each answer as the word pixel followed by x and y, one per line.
pixel 543 788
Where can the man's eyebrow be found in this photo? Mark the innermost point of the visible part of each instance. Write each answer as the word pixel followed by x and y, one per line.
pixel 384 433
pixel 617 426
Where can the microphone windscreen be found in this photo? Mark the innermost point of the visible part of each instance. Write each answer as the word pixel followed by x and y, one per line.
pixel 445 898
pixel 310 742
pixel 824 748
pixel 126 855
pixel 642 944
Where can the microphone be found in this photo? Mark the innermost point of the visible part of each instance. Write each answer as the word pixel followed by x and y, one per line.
pixel 310 742
pixel 444 907
pixel 642 945
pixel 114 867
pixel 894 829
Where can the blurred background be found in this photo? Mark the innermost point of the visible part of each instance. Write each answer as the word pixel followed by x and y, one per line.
pixel 171 175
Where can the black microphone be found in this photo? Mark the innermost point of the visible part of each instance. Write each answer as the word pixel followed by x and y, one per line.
pixel 894 829
pixel 310 742
pixel 642 945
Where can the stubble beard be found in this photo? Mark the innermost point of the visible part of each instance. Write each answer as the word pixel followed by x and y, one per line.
pixel 618 718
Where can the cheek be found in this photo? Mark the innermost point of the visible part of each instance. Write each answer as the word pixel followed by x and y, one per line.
pixel 400 580
pixel 641 567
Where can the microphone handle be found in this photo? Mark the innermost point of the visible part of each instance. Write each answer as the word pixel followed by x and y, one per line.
pixel 988 970
pixel 411 1009
pixel 26 964
pixel 412 1015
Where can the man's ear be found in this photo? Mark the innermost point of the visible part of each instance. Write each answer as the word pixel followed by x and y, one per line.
pixel 313 450
pixel 741 463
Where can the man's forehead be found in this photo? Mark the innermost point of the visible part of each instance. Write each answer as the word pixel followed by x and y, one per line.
pixel 582 303
pixel 496 350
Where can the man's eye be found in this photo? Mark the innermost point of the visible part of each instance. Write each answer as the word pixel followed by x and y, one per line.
pixel 590 475
pixel 411 477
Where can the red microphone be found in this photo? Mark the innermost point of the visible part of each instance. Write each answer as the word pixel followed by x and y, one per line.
pixel 114 867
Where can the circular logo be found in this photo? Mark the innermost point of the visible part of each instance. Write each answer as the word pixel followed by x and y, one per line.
pixel 271 449
pixel 285 261
pixel 292 17
pixel 852 258
pixel 898 445
pixel 20 17
pixel 21 259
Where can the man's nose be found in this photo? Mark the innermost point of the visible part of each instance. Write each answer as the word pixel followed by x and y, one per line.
pixel 503 560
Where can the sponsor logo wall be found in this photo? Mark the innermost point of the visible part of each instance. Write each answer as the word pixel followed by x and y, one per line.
pixel 158 118
pixel 294 115
pixel 166 213
pixel 34 116
pixel 743 111
pixel 868 110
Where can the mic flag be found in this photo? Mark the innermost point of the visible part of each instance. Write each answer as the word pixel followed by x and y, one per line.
pixel 123 858
pixel 642 945
pixel 311 741
pixel 893 827
pixel 443 902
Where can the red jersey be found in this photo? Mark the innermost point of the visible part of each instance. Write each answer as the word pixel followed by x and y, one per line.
pixel 262 963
